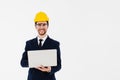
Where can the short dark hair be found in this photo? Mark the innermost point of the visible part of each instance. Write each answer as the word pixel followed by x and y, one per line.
pixel 46 21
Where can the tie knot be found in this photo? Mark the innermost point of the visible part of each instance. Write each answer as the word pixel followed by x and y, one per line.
pixel 40 40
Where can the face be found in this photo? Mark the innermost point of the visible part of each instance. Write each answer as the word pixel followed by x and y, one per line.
pixel 41 28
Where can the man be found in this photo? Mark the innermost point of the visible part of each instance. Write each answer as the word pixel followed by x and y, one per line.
pixel 41 72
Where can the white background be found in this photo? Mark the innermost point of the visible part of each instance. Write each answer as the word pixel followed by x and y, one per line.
pixel 88 30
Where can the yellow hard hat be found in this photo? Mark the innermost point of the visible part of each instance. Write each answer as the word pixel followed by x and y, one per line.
pixel 41 16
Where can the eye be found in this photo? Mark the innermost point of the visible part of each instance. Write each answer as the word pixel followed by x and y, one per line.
pixel 44 24
pixel 39 24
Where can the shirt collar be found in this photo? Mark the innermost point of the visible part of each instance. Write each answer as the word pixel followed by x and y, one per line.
pixel 42 38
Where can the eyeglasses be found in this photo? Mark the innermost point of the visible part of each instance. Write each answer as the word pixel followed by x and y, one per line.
pixel 41 24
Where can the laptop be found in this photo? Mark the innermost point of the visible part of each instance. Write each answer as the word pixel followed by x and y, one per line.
pixel 37 58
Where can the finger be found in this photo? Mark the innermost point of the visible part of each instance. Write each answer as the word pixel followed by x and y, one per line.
pixel 45 67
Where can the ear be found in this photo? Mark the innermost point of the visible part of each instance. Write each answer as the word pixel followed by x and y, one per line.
pixel 35 27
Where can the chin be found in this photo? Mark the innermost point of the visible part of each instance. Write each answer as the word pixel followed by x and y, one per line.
pixel 41 34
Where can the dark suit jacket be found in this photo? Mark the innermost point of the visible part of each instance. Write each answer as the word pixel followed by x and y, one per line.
pixel 34 74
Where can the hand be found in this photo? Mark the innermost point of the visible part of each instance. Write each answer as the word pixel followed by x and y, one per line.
pixel 44 68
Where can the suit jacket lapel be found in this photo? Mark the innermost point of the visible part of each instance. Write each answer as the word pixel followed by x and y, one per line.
pixel 46 43
pixel 36 43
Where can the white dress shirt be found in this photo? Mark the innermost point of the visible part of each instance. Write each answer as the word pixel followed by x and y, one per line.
pixel 43 39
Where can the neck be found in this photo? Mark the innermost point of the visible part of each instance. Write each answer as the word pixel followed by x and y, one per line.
pixel 42 36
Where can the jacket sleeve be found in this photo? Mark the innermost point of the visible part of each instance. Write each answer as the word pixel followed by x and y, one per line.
pixel 24 60
pixel 58 67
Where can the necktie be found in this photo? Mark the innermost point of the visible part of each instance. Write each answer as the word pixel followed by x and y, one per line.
pixel 40 44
